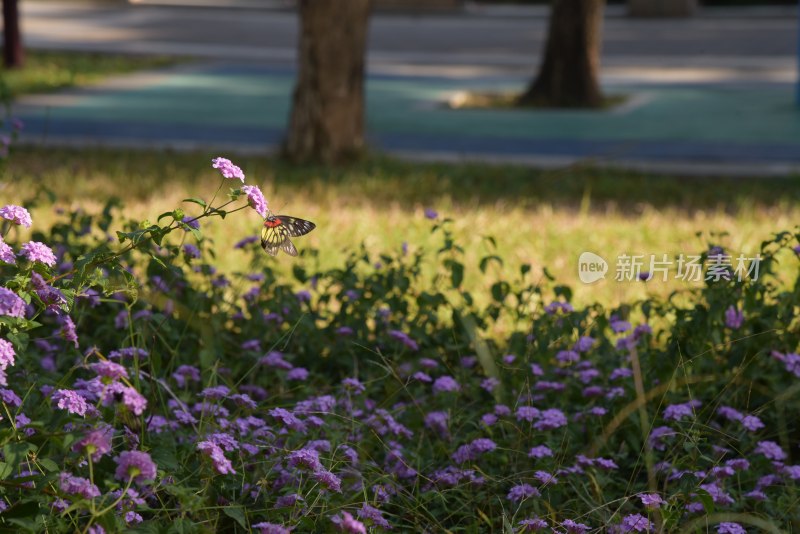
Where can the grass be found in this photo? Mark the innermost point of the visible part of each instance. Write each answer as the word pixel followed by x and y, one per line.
pixel 544 218
pixel 50 71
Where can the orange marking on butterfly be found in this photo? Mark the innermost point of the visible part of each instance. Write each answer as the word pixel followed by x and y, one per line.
pixel 272 223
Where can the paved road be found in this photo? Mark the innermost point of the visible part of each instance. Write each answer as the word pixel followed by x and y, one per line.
pixel 712 94
pixel 503 40
pixel 707 129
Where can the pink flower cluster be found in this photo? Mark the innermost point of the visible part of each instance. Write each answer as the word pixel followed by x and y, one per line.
pixel 255 198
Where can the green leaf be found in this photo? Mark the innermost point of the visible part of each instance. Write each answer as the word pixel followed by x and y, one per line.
pixel 207 357
pixel 182 526
pixel 49 465
pixel 299 273
pixel 26 524
pixel 157 237
pixel 485 262
pixel 237 514
pixel 164 453
pixel 198 201
pixel 149 527
pixel 564 291
pixel 500 291
pixel 85 264
pixel 5 470
pixel 21 509
pixel 456 272
pixel 15 453
pixel 19 339
pixel 705 498
pixel 158 261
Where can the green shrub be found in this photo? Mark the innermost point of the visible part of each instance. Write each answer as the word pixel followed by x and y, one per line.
pixel 147 392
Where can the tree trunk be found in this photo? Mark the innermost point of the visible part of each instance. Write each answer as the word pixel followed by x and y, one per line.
pixel 327 120
pixel 13 55
pixel 569 75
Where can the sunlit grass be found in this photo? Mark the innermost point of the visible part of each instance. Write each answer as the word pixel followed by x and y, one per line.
pixel 542 218
pixel 509 100
pixel 46 71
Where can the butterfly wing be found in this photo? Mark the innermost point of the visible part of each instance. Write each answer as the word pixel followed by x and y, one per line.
pixel 288 247
pixel 277 231
pixel 295 227
pixel 272 251
pixel 273 237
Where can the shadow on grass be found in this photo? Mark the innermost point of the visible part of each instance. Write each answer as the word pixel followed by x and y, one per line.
pixel 73 174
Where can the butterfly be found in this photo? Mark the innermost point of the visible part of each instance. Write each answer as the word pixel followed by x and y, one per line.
pixel 277 231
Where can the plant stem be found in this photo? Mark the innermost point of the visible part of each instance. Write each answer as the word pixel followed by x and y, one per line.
pixel 644 422
pixel 91 479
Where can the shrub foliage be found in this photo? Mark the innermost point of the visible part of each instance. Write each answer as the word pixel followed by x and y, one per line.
pixel 145 391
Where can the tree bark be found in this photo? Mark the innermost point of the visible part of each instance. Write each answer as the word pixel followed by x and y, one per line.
pixel 13 54
pixel 327 118
pixel 569 75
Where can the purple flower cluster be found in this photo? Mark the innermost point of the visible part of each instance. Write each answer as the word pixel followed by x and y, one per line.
pixel 791 362
pixel 584 344
pixel 96 443
pixel 227 169
pixel 67 332
pixel 405 339
pixel 734 318
pixel 556 306
pixel 568 356
pixel 634 523
pixel 16 214
pixel 749 422
pixel 347 523
pixel 190 222
pixel 246 241
pixel 446 384
pixel 308 460
pixel 471 451
pixel 135 465
pixel 109 371
pixel 651 500
pixel 676 412
pixel 81 487
pixel 521 492
pixel 7 253
pixel 770 450
pixel 256 199
pixel 35 251
pixel 545 419
pixel 7 359
pixel 11 304
pixel 70 401
pixel 221 464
